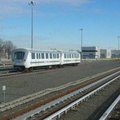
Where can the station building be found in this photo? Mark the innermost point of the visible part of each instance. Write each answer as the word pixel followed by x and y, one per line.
pixel 115 53
pixel 105 53
pixel 93 52
pixel 90 52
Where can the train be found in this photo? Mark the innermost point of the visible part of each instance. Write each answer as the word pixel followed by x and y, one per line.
pixel 27 59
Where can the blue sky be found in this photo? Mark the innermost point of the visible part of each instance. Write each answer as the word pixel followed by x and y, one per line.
pixel 57 23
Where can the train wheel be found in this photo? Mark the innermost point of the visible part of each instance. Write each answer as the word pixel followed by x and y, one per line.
pixel 20 69
pixel 30 69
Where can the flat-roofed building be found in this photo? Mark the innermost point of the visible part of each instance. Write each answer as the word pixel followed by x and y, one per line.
pixel 115 53
pixel 91 52
pixel 105 53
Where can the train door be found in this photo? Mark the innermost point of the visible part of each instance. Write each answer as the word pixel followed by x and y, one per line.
pixel 37 59
pixel 61 58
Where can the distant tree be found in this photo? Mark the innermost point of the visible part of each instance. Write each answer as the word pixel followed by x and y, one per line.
pixel 9 47
pixel 2 44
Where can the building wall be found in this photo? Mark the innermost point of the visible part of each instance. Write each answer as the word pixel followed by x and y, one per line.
pixel 93 52
pixel 115 53
pixel 105 53
pixel 90 52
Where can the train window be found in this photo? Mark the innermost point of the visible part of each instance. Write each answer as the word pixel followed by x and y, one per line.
pixel 54 55
pixel 50 55
pixel 64 55
pixel 19 55
pixel 33 55
pixel 37 56
pixel 42 55
pixel 68 56
pixel 57 55
pixel 46 55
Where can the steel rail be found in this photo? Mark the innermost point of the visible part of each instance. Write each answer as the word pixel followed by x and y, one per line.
pixel 58 96
pixel 65 109
pixel 28 98
pixel 108 111
pixel 53 98
pixel 35 71
pixel 44 107
pixel 30 72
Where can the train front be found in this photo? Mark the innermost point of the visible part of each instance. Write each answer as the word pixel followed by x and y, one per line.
pixel 19 59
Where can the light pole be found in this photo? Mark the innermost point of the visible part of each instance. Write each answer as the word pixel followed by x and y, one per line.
pixel 81 42
pixel 118 45
pixel 32 3
pixel 118 41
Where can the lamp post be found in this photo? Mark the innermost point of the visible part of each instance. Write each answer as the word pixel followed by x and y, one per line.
pixel 118 45
pixel 32 3
pixel 81 42
pixel 118 42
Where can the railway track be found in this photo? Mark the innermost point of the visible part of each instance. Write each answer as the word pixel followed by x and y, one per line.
pixel 11 72
pixel 4 72
pixel 81 92
pixel 71 100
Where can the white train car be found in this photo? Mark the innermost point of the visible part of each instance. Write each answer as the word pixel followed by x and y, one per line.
pixel 27 59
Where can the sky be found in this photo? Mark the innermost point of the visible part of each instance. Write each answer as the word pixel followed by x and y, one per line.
pixel 57 23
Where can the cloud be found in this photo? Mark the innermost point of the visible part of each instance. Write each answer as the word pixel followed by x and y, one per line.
pixel 69 2
pixel 15 8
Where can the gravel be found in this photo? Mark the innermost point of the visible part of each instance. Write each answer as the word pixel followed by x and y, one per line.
pixel 90 109
pixel 22 85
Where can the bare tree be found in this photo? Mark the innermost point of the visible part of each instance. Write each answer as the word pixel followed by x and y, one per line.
pixel 9 47
pixel 2 44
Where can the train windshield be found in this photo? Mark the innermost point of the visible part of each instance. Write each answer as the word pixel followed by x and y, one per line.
pixel 19 55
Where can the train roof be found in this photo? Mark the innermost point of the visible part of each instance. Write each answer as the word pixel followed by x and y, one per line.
pixel 35 50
